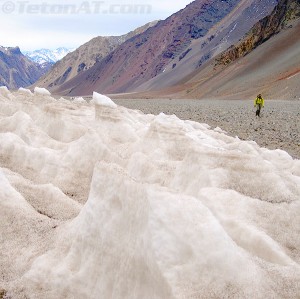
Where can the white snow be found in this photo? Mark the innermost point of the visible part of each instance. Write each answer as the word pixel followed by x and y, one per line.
pixel 79 100
pixel 41 91
pixel 4 92
pixel 103 100
pixel 111 203
pixel 43 56
pixel 25 92
pixel 233 28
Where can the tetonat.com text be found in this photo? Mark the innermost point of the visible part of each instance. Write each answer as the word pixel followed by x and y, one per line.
pixel 85 7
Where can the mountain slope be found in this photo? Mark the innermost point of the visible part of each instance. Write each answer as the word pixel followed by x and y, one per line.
pixel 154 52
pixel 227 32
pixel 85 57
pixel 145 56
pixel 16 70
pixel 266 61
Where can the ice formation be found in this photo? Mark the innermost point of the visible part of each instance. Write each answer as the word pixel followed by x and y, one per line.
pixel 25 92
pixel 41 91
pixel 103 100
pixel 99 201
pixel 4 92
pixel 79 100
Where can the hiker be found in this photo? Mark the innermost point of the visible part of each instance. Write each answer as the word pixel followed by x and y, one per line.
pixel 259 103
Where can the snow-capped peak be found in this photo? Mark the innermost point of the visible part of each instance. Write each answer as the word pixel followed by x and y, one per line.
pixel 45 55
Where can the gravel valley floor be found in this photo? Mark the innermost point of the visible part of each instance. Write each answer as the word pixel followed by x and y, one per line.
pixel 277 128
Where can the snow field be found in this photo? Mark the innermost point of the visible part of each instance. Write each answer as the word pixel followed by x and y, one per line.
pixel 117 204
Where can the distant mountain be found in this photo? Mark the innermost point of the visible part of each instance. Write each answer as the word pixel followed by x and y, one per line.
pixel 43 56
pixel 16 70
pixel 85 57
pixel 174 48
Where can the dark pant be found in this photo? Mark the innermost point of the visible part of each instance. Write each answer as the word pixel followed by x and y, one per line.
pixel 258 108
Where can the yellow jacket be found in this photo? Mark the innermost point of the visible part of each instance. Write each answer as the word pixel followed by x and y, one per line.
pixel 259 101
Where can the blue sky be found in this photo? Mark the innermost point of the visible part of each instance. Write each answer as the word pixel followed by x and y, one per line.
pixel 70 23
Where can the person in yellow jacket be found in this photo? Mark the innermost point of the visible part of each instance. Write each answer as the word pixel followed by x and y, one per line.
pixel 259 103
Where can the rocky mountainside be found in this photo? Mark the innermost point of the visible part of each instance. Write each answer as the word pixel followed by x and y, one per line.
pixel 284 12
pixel 171 42
pixel 221 36
pixel 16 70
pixel 85 57
pixel 266 60
pixel 146 55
